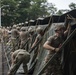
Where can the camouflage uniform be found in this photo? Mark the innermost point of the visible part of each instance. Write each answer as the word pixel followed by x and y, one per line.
pixel 14 26
pixel 5 35
pixel 37 50
pixel 40 36
pixel 32 35
pixel 55 67
pixel 24 36
pixel 21 56
pixel 14 40
pixel 14 43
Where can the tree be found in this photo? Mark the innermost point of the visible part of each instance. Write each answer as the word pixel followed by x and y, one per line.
pixel 38 9
pixel 51 8
pixel 15 13
pixel 21 10
pixel 60 12
pixel 72 6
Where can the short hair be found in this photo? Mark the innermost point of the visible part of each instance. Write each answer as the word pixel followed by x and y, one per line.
pixel 58 27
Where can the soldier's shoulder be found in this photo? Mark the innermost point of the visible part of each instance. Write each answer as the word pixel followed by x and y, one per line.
pixel 51 37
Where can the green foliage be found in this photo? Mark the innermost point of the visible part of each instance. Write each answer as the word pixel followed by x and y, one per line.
pixel 60 12
pixel 72 6
pixel 19 11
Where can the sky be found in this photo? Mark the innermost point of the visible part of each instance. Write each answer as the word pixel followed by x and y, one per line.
pixel 61 4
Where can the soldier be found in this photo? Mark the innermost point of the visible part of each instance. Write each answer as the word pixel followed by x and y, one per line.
pixel 39 42
pixel 69 65
pixel 14 26
pixel 53 44
pixel 14 43
pixel 21 56
pixel 33 35
pixel 41 31
pixel 15 40
pixel 24 36
pixel 39 36
pixel 5 35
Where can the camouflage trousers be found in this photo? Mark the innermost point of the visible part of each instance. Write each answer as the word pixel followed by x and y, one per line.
pixel 54 67
pixel 20 57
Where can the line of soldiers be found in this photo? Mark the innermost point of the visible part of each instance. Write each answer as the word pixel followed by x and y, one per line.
pixel 17 38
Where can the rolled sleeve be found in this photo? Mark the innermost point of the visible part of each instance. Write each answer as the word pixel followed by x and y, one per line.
pixel 50 39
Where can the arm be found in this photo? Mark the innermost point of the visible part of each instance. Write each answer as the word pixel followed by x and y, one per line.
pixel 67 30
pixel 48 47
pixel 49 24
pixel 67 23
pixel 36 40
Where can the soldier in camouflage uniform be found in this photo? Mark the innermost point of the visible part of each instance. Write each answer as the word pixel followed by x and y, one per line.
pixel 21 56
pixel 39 38
pixel 32 34
pixel 53 44
pixel 24 36
pixel 14 26
pixel 39 30
pixel 5 35
pixel 14 42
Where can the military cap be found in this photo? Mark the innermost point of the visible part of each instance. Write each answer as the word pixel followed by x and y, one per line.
pixel 14 26
pixel 39 29
pixel 31 29
pixel 23 29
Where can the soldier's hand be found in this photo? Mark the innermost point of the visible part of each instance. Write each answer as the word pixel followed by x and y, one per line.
pixel 57 49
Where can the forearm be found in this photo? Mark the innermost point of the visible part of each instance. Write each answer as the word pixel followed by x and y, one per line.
pixel 33 45
pixel 67 30
pixel 49 47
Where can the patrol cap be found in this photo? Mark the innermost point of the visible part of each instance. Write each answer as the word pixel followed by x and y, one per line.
pixel 23 29
pixel 59 27
pixel 31 29
pixel 14 26
pixel 39 29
